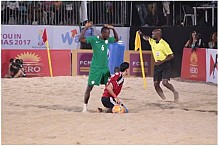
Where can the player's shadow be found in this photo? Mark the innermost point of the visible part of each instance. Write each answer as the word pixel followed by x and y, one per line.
pixel 60 107
pixel 155 106
pixel 165 105
pixel 50 107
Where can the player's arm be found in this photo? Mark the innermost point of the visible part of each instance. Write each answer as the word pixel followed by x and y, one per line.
pixel 114 31
pixel 145 37
pixel 82 35
pixel 169 57
pixel 109 88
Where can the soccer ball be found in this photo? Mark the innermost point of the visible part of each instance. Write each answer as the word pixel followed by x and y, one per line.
pixel 118 109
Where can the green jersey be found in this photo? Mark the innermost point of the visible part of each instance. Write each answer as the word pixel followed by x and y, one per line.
pixel 100 50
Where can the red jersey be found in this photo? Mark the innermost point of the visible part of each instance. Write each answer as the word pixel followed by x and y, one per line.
pixel 117 82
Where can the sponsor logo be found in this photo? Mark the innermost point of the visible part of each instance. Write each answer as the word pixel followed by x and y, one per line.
pixel 69 37
pixel 194 59
pixel 136 63
pixel 213 65
pixel 40 40
pixel 85 62
pixel 31 62
pixel 193 64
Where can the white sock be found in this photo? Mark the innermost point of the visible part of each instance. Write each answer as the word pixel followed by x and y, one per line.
pixel 84 107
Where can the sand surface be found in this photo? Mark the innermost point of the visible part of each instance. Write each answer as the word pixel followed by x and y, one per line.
pixel 48 111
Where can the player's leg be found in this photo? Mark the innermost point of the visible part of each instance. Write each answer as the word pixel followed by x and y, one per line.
pixel 95 76
pixel 157 79
pixel 159 90
pixel 87 94
pixel 166 78
pixel 170 87
pixel 105 76
pixel 109 103
pixel 104 110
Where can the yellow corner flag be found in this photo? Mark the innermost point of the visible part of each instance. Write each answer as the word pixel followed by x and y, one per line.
pixel 138 46
pixel 45 40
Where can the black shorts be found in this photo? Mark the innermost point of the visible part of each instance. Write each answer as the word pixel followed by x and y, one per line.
pixel 108 102
pixel 162 72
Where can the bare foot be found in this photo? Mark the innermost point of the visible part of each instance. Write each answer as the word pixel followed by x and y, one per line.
pixel 99 110
pixel 84 111
pixel 176 96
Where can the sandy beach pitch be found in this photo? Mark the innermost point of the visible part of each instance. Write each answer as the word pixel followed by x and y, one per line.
pixel 48 111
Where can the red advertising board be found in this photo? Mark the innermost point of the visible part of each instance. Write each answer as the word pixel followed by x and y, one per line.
pixel 36 62
pixel 194 64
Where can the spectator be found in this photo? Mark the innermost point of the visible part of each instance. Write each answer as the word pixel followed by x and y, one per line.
pixel 195 41
pixel 35 13
pixel 23 15
pixel 48 13
pixel 152 12
pixel 142 12
pixel 83 11
pixel 109 12
pixel 72 12
pixel 4 12
pixel 213 41
pixel 12 11
pixel 58 10
pixel 166 11
pixel 15 69
pixel 68 12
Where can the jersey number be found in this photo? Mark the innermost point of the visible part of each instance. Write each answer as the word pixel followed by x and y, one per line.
pixel 102 47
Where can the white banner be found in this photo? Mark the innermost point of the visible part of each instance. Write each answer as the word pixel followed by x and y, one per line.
pixel 66 37
pixel 211 65
pixel 59 37
pixel 30 37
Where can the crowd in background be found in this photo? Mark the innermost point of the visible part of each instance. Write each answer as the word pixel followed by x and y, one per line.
pixel 40 12
pixel 120 13
pixel 195 41
pixel 148 13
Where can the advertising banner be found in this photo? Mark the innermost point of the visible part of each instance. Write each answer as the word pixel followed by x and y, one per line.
pixel 30 37
pixel 59 37
pixel 36 62
pixel 211 64
pixel 83 63
pixel 66 37
pixel 194 64
pixel 135 66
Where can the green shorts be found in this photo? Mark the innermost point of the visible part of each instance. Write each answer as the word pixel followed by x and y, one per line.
pixel 98 76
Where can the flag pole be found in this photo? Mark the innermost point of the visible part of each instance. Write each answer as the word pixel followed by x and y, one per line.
pixel 49 59
pixel 45 39
pixel 142 66
pixel 138 46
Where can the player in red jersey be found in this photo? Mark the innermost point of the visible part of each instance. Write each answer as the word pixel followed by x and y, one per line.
pixel 113 88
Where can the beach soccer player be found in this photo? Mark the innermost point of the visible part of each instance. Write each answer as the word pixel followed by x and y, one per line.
pixel 110 96
pixel 162 55
pixel 99 71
